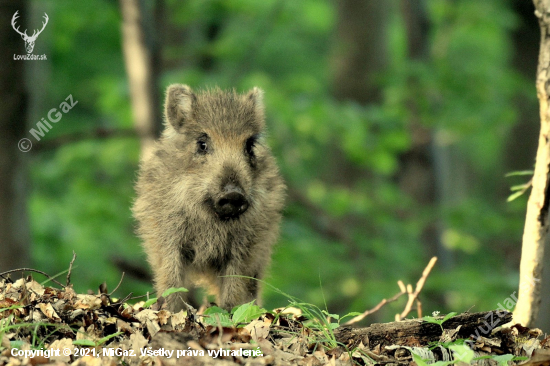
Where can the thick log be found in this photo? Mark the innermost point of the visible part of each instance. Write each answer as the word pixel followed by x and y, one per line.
pixel 418 332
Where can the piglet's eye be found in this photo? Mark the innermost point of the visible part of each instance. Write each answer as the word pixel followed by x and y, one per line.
pixel 202 147
pixel 249 145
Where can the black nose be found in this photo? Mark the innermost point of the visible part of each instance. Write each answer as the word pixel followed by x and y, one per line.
pixel 232 204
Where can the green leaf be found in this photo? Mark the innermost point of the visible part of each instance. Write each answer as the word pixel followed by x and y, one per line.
pixel 333 316
pixel 515 195
pixel 215 310
pixel 353 313
pixel 84 342
pixel 462 353
pixel 166 293
pixel 150 302
pixel 216 316
pixel 16 344
pixel 247 312
pixel 520 172
pixel 218 319
pixel 173 290
pixel 105 339
pixel 448 316
pixel 419 360
pixel 432 320
pixel 503 359
pixel 520 187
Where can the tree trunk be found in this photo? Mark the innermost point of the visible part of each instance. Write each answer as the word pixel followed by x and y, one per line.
pixel 14 228
pixel 417 172
pixel 141 55
pixel 361 49
pixel 521 146
pixel 359 57
pixel 535 235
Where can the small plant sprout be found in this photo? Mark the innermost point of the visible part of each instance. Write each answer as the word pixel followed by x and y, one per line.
pixel 239 316
pixel 433 320
pixel 169 291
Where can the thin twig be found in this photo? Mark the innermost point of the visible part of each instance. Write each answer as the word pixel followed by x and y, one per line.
pixel 419 285
pixel 360 317
pixel 117 286
pixel 123 300
pixel 32 270
pixel 402 286
pixel 404 290
pixel 70 269
pixel 135 297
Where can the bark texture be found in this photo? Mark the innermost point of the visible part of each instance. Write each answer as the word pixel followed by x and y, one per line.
pixel 14 237
pixel 535 235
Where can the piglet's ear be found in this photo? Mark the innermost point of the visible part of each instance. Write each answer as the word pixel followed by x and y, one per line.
pixel 256 97
pixel 179 105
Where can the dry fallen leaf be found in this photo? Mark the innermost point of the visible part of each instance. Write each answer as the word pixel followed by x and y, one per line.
pixel 87 302
pixel 258 329
pixel 152 327
pixel 47 309
pixel 178 320
pixel 163 316
pixel 137 342
pixel 145 315
pixel 35 287
pixel 92 361
pixel 540 358
pixel 62 344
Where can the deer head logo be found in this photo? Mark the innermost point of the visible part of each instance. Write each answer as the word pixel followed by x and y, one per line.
pixel 29 41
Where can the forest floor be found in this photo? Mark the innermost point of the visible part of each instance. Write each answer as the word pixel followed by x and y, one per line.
pixel 48 325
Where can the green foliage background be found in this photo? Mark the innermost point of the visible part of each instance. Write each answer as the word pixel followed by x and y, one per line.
pixel 463 91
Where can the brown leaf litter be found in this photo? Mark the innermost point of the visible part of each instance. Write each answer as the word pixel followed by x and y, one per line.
pixel 40 325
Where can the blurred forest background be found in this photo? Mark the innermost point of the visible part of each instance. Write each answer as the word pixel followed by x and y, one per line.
pixel 394 123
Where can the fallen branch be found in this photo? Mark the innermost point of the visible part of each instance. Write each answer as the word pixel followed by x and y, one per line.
pixel 358 318
pixel 404 290
pixel 419 286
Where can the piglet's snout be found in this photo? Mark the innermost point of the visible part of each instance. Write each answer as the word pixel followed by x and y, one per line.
pixel 232 203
